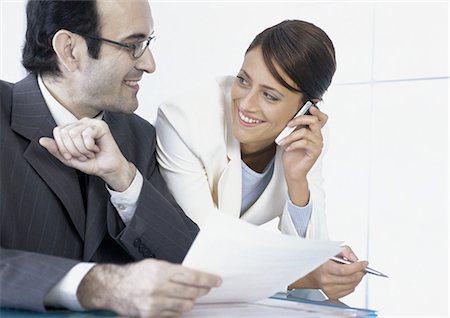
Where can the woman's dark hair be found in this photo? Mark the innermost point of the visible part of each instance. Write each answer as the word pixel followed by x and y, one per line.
pixel 303 51
pixel 44 19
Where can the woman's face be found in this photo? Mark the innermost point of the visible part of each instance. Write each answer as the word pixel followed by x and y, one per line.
pixel 261 107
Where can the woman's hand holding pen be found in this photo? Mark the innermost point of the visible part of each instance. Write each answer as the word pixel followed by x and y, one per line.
pixel 302 148
pixel 334 279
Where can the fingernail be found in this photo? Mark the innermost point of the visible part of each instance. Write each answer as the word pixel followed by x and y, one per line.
pixel 353 257
pixel 67 156
pixel 288 148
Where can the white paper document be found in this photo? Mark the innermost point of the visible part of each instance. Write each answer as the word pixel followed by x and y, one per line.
pixel 254 263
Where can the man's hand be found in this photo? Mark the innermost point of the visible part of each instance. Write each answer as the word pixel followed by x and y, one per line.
pixel 149 288
pixel 87 145
pixel 334 279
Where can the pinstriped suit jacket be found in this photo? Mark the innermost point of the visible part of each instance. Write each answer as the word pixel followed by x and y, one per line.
pixel 45 229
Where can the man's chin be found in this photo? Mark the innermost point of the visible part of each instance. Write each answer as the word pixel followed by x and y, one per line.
pixel 128 107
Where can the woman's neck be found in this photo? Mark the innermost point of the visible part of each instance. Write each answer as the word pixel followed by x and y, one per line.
pixel 258 160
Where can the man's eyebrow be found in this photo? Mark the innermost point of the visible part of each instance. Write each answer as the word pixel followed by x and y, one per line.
pixel 138 36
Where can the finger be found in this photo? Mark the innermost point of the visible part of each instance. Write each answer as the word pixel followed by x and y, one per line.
pixel 153 312
pixel 301 134
pixel 352 279
pixel 174 306
pixel 89 140
pixel 68 134
pixel 348 254
pixel 323 118
pixel 153 306
pixel 184 291
pixel 80 138
pixel 60 144
pixel 316 129
pixel 99 127
pixel 169 314
pixel 312 150
pixel 305 120
pixel 347 269
pixel 315 125
pixel 52 148
pixel 195 278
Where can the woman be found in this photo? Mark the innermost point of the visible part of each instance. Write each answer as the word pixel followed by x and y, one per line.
pixel 217 152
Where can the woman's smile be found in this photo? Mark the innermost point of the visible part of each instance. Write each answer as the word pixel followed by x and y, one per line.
pixel 247 120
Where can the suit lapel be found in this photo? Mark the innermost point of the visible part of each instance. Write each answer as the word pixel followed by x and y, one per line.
pixel 32 119
pixel 229 194
pixel 273 196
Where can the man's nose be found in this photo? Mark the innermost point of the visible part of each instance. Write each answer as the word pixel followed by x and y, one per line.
pixel 146 62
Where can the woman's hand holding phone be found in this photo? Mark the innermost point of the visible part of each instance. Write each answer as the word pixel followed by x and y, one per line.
pixel 302 148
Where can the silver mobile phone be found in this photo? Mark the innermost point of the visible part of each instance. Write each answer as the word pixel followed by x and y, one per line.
pixel 288 130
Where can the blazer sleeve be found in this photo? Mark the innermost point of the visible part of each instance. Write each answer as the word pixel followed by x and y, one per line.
pixel 26 278
pixel 183 170
pixel 159 227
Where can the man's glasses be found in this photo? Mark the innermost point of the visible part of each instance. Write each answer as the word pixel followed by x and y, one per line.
pixel 137 49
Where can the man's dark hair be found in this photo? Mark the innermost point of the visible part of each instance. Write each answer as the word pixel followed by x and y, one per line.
pixel 44 19
pixel 303 51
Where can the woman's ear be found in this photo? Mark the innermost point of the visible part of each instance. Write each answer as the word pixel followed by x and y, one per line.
pixel 315 101
pixel 64 43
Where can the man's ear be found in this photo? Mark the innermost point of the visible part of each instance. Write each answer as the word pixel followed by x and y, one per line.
pixel 64 44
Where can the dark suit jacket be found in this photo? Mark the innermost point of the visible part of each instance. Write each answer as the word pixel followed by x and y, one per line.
pixel 45 229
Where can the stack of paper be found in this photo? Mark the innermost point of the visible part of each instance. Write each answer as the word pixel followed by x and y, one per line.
pixel 254 263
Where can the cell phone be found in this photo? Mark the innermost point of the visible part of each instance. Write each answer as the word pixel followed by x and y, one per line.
pixel 288 130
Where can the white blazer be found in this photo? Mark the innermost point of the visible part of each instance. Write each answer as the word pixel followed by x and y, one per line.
pixel 201 162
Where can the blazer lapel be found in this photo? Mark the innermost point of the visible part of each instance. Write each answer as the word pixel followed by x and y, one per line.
pixel 273 196
pixel 230 183
pixel 32 119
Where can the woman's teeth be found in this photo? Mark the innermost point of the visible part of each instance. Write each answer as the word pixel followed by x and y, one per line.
pixel 248 120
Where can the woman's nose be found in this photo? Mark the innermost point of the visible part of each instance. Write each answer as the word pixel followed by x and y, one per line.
pixel 249 102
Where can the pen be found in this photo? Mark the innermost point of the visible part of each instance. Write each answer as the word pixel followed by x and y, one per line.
pixel 367 270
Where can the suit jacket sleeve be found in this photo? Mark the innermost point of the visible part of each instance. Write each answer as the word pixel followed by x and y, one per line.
pixel 27 277
pixel 159 227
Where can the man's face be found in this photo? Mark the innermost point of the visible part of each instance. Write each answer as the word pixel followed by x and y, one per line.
pixel 110 82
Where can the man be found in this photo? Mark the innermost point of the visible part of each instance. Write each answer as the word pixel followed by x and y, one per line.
pixel 88 190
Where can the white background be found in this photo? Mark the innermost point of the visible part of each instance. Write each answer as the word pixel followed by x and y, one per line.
pixel 387 165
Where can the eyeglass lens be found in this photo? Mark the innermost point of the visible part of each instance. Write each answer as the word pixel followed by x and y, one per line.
pixel 141 47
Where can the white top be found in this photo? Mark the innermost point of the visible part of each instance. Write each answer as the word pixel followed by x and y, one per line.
pixel 201 162
pixel 254 184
